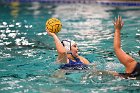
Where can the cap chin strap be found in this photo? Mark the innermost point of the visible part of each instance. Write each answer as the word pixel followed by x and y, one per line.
pixel 71 54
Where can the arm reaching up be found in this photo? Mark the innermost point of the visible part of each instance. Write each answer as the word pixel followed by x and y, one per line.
pixel 62 55
pixel 124 58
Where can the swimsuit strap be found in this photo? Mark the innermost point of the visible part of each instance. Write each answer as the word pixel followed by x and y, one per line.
pixel 136 71
pixel 78 61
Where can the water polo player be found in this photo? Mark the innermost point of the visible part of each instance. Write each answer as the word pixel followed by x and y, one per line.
pixel 132 67
pixel 68 54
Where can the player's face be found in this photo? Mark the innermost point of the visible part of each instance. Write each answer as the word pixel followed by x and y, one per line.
pixel 74 50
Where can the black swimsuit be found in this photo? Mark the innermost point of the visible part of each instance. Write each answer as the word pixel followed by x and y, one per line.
pixel 135 73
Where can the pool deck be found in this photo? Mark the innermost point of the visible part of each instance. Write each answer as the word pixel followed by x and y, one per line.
pixel 104 2
pixel 119 2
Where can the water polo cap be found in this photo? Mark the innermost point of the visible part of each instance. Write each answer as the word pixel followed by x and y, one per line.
pixel 67 44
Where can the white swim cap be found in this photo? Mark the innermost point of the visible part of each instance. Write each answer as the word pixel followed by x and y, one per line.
pixel 67 44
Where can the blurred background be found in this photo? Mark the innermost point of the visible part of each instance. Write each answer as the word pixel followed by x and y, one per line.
pixel 28 54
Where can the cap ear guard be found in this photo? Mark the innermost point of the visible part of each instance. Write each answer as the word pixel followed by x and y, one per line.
pixel 66 44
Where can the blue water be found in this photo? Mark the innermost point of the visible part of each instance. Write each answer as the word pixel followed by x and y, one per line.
pixel 27 53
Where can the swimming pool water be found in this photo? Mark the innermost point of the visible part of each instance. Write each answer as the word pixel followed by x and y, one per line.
pixel 27 53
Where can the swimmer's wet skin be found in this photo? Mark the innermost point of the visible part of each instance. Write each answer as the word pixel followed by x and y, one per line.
pixel 132 67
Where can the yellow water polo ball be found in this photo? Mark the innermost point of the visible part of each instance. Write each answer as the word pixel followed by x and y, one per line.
pixel 53 25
